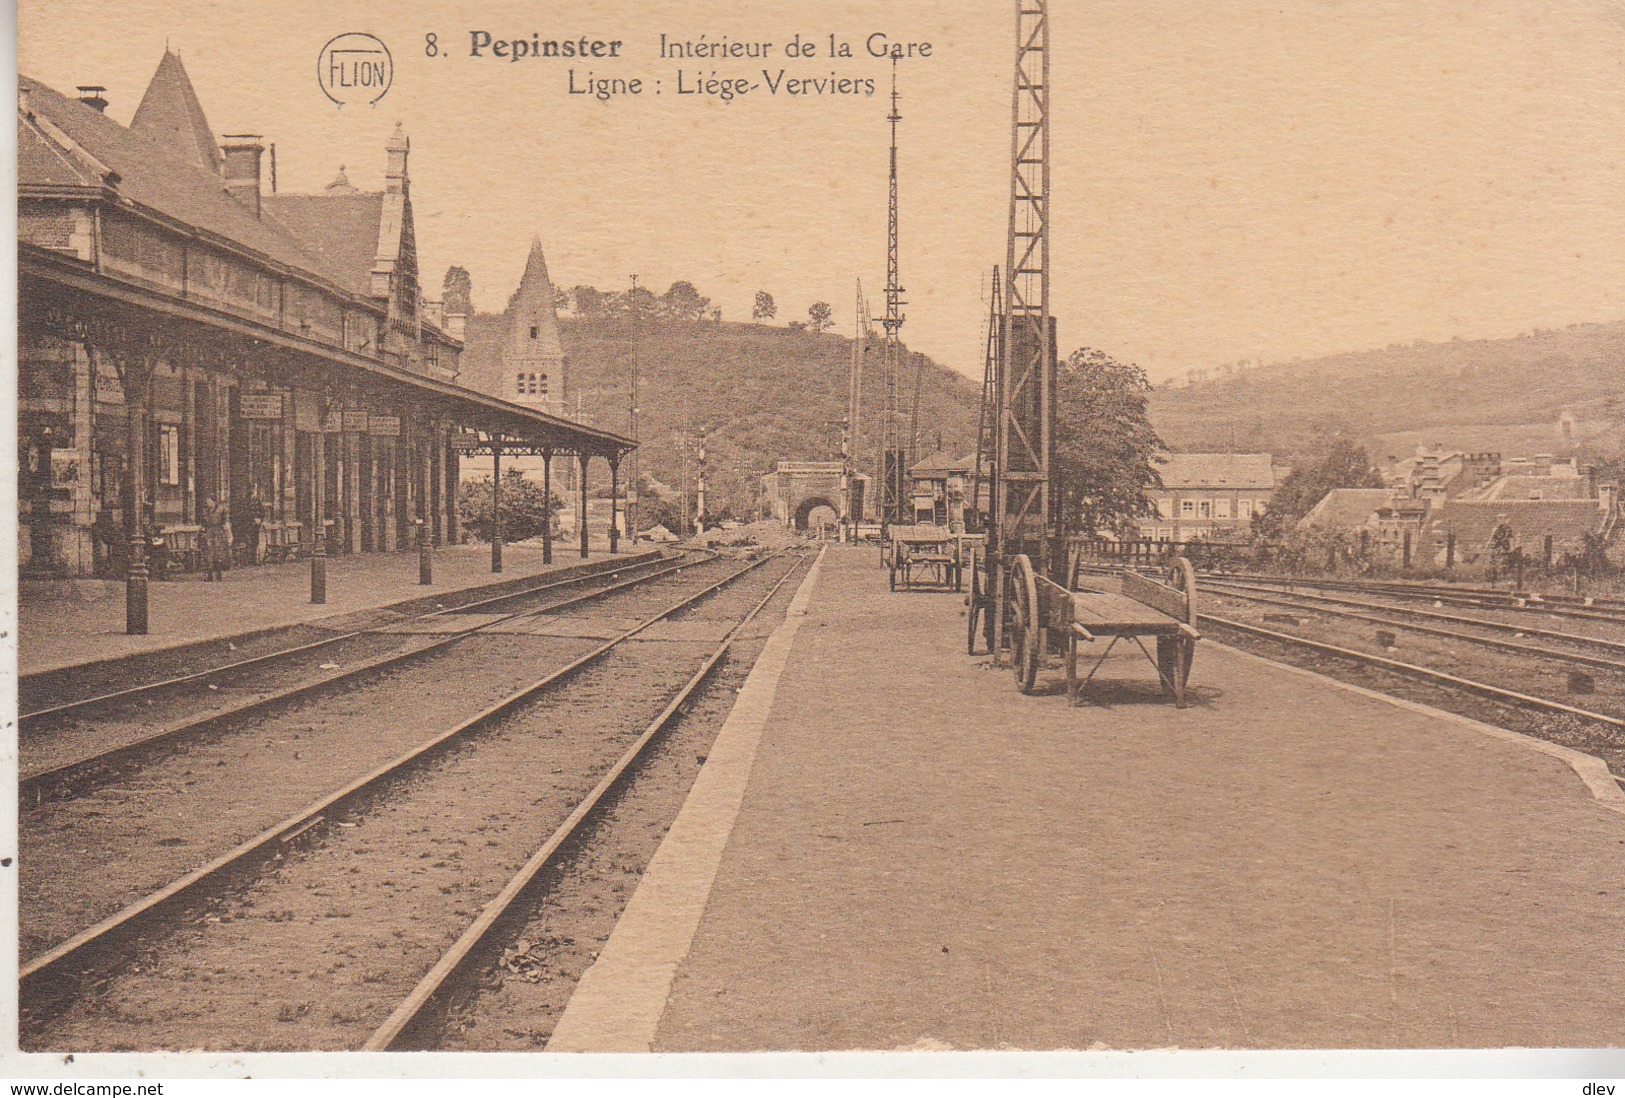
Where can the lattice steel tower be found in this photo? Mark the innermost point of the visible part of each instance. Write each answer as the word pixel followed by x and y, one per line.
pixel 893 459
pixel 1026 380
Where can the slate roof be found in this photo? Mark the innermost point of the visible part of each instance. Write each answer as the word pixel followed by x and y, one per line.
pixel 171 115
pixel 152 176
pixel 532 304
pixel 1347 508
pixel 1216 471
pixel 341 228
pixel 940 462
pixel 1527 487
pixel 1474 522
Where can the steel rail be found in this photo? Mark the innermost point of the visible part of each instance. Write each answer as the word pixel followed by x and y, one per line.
pixel 33 715
pixel 412 1007
pixel 35 974
pixel 1430 630
pixel 36 781
pixel 1401 587
pixel 1501 626
pixel 1503 601
pixel 1495 693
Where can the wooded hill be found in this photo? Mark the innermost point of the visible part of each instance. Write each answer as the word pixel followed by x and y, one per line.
pixel 761 393
pixel 1491 394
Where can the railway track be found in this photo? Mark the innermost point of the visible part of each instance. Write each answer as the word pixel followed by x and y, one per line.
pixel 1607 611
pixel 1520 672
pixel 1439 676
pixel 411 816
pixel 66 746
pixel 64 692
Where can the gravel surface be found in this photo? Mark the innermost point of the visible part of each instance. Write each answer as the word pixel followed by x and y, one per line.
pixel 317 952
pixel 528 976
pixel 1508 670
pixel 199 798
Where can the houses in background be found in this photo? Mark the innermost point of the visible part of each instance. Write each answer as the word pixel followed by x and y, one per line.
pixel 1445 507
pixel 1212 497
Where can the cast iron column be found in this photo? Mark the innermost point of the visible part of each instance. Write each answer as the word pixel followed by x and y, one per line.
pixel 614 491
pixel 135 575
pixel 318 551
pixel 496 505
pixel 581 520
pixel 547 506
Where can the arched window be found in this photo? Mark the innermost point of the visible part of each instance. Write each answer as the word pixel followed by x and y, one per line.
pixel 543 389
pixel 519 384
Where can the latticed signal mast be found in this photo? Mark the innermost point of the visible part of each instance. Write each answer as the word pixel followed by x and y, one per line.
pixel 893 460
pixel 1026 381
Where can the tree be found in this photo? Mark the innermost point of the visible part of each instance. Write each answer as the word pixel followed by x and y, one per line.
pixel 1104 445
pixel 683 302
pixel 525 509
pixel 818 316
pixel 764 309
pixel 1340 464
pixel 589 301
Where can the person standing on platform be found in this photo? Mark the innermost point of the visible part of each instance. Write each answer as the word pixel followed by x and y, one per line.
pixel 216 540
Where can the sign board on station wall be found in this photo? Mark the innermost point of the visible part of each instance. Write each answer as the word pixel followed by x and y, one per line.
pixel 384 426
pixel 260 406
pixel 463 441
pixel 355 419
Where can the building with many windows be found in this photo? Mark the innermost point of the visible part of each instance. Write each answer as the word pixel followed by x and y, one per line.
pixel 187 334
pixel 1211 496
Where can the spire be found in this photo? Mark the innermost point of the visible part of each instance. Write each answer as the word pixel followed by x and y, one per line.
pixel 171 115
pixel 536 269
pixel 534 355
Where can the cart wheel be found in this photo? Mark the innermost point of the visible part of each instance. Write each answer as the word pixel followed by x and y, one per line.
pixel 974 608
pixel 1182 577
pixel 1026 635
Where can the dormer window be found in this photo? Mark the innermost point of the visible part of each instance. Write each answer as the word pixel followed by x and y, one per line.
pixel 535 331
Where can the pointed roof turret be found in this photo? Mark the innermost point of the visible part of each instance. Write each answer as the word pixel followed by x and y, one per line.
pixel 532 314
pixel 171 114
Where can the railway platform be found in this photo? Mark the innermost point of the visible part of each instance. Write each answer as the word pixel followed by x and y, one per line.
pixel 68 623
pixel 890 848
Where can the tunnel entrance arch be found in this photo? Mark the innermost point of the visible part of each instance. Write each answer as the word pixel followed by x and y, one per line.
pixel 805 513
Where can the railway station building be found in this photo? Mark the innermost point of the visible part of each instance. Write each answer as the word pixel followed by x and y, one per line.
pixel 187 333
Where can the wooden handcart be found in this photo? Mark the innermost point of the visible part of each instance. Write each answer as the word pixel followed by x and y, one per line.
pixel 926 556
pixel 1045 616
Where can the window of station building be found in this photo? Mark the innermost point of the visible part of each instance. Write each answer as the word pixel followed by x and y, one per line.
pixel 1244 508
pixel 1221 508
pixel 1205 509
pixel 1187 508
pixel 1165 508
pixel 542 390
pixel 535 331
pixel 169 454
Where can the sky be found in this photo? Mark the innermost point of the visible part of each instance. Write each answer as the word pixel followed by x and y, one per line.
pixel 1231 179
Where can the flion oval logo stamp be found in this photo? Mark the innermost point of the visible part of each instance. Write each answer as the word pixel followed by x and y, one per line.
pixel 355 68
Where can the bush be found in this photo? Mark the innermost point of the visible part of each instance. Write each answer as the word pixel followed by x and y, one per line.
pixel 525 510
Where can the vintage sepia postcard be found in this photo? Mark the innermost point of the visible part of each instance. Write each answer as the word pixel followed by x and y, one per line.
pixel 1064 536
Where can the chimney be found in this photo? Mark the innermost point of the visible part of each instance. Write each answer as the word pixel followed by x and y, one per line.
pixel 242 168
pixel 91 96
pixel 395 175
pixel 458 294
pixel 1607 497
